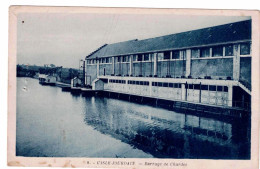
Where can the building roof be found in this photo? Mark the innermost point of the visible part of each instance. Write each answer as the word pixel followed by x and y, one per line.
pixel 231 32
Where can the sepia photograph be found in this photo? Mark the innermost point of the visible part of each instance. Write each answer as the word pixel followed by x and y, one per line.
pixel 125 84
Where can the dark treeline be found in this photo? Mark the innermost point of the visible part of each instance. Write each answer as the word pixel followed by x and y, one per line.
pixel 63 74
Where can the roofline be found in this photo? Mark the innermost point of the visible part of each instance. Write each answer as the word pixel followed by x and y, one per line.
pixel 180 32
pixel 198 29
pixel 95 51
pixel 190 47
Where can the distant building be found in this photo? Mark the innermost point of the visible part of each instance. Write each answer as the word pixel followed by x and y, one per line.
pixel 210 66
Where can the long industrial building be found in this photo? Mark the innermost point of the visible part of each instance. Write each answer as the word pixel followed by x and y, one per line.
pixel 209 66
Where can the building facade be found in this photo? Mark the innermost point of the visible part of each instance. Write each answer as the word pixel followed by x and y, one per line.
pixel 207 66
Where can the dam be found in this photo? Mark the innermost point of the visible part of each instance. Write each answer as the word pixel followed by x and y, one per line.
pixel 209 66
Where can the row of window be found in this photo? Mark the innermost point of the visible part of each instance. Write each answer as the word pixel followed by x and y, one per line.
pixel 174 85
pixel 103 60
pixel 117 81
pixel 207 87
pixel 161 84
pixel 224 50
pixel 204 52
pixel 192 86
pixel 145 83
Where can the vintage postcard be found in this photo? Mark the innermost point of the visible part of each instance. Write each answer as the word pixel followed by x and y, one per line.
pixel 133 87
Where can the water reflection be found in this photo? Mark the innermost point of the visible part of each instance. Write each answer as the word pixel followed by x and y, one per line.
pixel 167 134
pixel 52 123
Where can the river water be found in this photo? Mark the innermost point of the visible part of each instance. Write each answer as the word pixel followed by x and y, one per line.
pixel 53 123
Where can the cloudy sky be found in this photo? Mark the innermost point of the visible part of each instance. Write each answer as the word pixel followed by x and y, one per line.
pixel 64 39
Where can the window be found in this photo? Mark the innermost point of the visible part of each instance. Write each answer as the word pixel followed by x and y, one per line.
pixel 190 86
pixel 103 60
pixel 229 50
pixel 183 54
pixel 151 56
pixel 154 84
pixel 170 84
pixel 165 85
pixel 160 84
pixel 125 59
pixel 108 60
pixel 225 89
pixel 204 87
pixel 167 55
pixel 195 53
pixel 244 48
pixel 204 52
pixel 135 58
pixel 217 51
pixel 176 85
pixel 160 56
pixel 219 88
pixel 140 57
pixel 118 59
pixel 146 57
pixel 212 88
pixel 197 86
pixel 146 83
pixel 176 54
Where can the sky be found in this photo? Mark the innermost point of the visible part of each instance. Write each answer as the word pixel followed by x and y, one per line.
pixel 64 39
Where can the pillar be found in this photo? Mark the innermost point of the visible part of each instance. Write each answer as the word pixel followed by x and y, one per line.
pixel 210 52
pixel 97 68
pixel 131 65
pixel 236 62
pixel 230 95
pixel 150 88
pixel 113 65
pixel 85 72
pixel 183 92
pixel 155 64
pixel 188 62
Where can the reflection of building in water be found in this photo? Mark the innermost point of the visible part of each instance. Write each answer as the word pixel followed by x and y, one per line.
pixel 206 66
pixel 166 133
